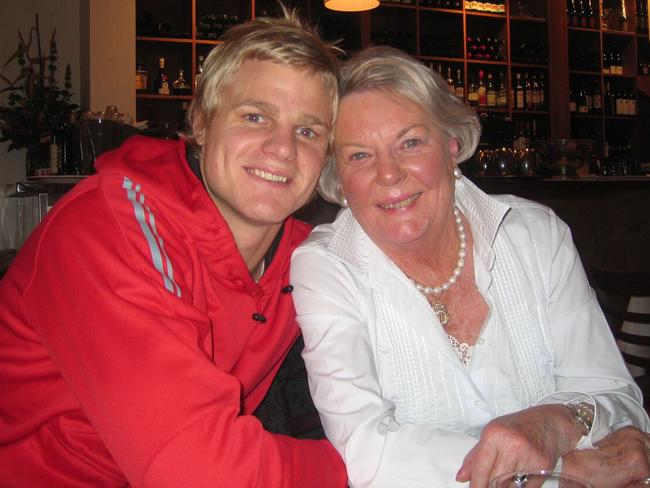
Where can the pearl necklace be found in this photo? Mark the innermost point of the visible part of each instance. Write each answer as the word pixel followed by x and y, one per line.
pixel 439 307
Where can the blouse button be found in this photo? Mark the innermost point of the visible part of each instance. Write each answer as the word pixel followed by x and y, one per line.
pixel 481 341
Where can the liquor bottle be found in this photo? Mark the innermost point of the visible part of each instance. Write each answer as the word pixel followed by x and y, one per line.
pixel 450 81
pixel 632 104
pixel 519 94
pixel 199 72
pixel 141 78
pixel 542 92
pixel 460 87
pixel 502 94
pixel 482 91
pixel 606 63
pixel 535 95
pixel 161 85
pixel 490 92
pixel 180 86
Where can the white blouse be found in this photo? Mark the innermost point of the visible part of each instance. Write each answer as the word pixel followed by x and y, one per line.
pixel 394 398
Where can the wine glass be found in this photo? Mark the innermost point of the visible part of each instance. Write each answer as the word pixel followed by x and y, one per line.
pixel 538 479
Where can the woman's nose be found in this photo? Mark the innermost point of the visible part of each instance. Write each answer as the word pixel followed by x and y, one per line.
pixel 389 171
pixel 281 144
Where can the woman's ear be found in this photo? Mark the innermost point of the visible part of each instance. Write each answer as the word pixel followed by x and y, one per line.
pixel 454 147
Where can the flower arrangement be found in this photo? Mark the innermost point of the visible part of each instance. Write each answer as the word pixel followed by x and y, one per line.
pixel 36 105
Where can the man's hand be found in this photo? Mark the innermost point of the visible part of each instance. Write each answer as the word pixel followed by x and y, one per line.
pixel 532 439
pixel 621 460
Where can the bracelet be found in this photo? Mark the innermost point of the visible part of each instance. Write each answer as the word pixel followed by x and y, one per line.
pixel 583 413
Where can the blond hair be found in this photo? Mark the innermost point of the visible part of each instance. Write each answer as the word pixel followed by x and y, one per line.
pixel 285 40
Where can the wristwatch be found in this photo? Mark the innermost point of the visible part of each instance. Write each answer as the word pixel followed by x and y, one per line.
pixel 583 413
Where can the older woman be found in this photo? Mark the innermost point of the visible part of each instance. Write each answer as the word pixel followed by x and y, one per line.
pixel 450 335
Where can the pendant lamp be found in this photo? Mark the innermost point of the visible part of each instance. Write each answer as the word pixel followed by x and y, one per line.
pixel 351 5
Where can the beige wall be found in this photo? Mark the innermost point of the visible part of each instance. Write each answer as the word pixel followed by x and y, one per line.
pixel 60 14
pixel 97 38
pixel 108 59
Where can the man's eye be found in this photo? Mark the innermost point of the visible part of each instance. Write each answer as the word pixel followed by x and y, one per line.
pixel 410 143
pixel 359 156
pixel 256 118
pixel 307 132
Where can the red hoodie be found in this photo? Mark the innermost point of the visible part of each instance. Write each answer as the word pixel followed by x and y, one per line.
pixel 130 353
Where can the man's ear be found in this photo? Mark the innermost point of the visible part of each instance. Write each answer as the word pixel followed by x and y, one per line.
pixel 199 126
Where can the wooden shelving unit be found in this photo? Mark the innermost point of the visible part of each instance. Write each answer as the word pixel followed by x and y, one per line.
pixel 437 36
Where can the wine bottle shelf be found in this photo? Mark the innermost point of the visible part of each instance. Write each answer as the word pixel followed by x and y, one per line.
pixel 525 38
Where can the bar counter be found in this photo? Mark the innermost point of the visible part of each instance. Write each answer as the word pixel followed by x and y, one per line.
pixel 592 206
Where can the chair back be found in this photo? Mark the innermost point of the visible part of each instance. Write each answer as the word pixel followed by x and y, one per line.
pixel 615 290
pixel 619 267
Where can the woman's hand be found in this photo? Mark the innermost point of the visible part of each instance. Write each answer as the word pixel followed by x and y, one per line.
pixel 531 439
pixel 621 460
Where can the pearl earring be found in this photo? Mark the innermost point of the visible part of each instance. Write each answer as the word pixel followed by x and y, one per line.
pixel 457 173
pixel 344 202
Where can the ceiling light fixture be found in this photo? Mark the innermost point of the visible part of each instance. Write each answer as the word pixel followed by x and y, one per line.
pixel 351 5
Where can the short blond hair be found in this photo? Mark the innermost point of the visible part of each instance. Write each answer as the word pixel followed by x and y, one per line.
pixel 393 71
pixel 284 40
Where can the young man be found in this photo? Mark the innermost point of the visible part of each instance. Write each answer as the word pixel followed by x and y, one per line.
pixel 145 318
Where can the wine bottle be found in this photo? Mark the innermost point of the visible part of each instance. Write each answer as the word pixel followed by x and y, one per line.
pixel 482 91
pixel 502 94
pixel 460 87
pixel 490 92
pixel 519 94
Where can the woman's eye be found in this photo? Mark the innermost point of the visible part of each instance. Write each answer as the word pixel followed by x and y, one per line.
pixel 359 156
pixel 255 118
pixel 307 132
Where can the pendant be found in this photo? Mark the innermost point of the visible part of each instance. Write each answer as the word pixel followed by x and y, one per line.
pixel 441 311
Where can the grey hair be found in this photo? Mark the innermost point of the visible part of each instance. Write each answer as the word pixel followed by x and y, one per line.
pixel 285 40
pixel 393 71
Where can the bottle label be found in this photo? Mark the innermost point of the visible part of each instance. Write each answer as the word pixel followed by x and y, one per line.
pixel 164 88
pixel 597 102
pixel 620 109
pixel 520 99
pixel 140 81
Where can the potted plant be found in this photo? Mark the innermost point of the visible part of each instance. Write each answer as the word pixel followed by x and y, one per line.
pixel 36 106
